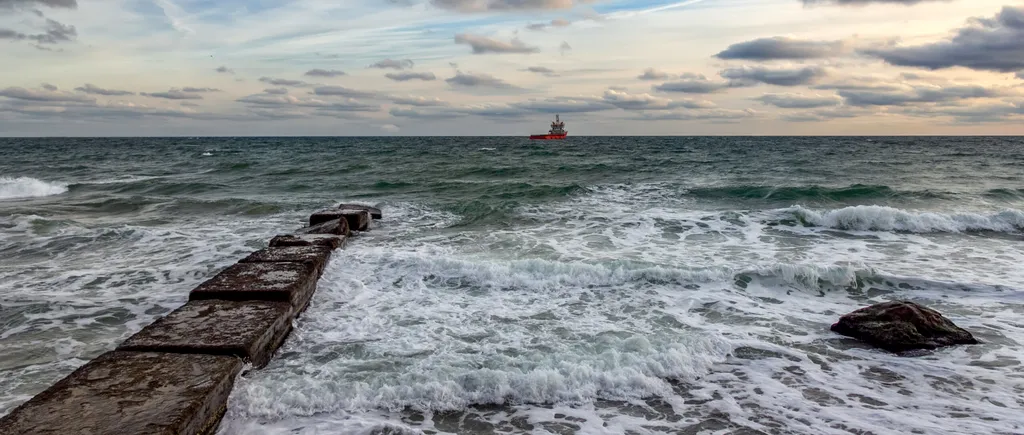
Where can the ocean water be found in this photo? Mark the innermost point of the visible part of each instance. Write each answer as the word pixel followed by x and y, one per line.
pixel 591 286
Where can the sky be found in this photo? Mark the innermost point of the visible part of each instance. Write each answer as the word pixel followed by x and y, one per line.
pixel 506 67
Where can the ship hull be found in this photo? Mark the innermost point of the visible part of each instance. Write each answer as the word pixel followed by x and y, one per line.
pixel 547 136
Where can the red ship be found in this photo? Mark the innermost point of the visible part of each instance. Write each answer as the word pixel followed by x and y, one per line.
pixel 557 132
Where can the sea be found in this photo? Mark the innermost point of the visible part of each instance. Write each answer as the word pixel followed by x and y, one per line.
pixel 596 285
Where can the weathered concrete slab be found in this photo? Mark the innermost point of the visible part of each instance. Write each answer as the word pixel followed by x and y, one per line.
pixel 358 220
pixel 330 241
pixel 280 282
pixel 251 330
pixel 132 393
pixel 315 255
pixel 374 211
pixel 337 226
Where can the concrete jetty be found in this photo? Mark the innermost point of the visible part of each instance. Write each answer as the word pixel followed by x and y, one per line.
pixel 175 375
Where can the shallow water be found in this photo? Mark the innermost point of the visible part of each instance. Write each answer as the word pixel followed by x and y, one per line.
pixel 596 285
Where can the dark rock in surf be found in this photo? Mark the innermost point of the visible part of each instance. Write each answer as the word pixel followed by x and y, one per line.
pixel 337 226
pixel 358 220
pixel 374 211
pixel 901 326
pixel 331 241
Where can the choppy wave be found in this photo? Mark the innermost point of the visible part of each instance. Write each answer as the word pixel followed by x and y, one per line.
pixel 28 187
pixel 880 218
pixel 797 193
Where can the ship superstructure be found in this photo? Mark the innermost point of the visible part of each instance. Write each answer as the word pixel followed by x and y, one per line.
pixel 557 131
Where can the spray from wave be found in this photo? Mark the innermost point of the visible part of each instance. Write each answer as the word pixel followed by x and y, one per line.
pixel 27 187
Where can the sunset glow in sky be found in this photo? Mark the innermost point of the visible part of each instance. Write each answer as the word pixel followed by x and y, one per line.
pixel 505 67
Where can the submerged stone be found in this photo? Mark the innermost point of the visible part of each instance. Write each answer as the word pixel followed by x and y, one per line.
pixel 374 211
pixel 901 326
pixel 337 226
pixel 328 240
pixel 358 220
pixel 317 256
pixel 281 282
pixel 132 393
pixel 252 330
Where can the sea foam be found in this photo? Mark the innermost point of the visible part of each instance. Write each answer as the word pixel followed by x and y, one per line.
pixel 27 187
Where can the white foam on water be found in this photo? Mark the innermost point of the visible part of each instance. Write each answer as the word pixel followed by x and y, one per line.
pixel 628 310
pixel 28 187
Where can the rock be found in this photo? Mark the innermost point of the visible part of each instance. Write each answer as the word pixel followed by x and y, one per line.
pixel 374 211
pixel 314 255
pixel 358 220
pixel 278 282
pixel 132 393
pixel 251 330
pixel 901 326
pixel 337 226
pixel 328 240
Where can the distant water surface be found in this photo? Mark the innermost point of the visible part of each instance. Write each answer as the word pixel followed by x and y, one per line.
pixel 593 285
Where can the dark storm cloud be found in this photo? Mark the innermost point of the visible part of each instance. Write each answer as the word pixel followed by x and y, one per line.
pixel 93 89
pixel 800 101
pixel 991 44
pixel 324 73
pixel 484 45
pixel 780 77
pixel 398 64
pixel 406 76
pixel 776 48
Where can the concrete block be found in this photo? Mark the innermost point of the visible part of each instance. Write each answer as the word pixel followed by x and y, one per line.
pixel 279 282
pixel 337 226
pixel 374 211
pixel 315 255
pixel 358 220
pixel 329 240
pixel 132 393
pixel 251 330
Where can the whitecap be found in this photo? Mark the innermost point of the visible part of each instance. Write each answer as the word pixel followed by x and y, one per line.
pixel 28 187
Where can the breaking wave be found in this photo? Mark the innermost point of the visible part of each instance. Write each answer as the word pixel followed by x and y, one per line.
pixel 880 218
pixel 27 187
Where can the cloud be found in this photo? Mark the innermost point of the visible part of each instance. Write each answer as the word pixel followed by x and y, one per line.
pixel 782 48
pixel 347 105
pixel 627 101
pixel 992 112
pixel 340 91
pixel 564 48
pixel 191 89
pixel 93 89
pixel 991 44
pixel 276 91
pixel 553 23
pixel 1020 75
pixel 653 74
pixel 865 2
pixel 393 64
pixel 48 87
pixel 693 84
pixel 283 82
pixel 18 93
pixel 695 115
pixel 174 94
pixel 505 5
pixel 406 76
pixel 919 94
pixel 55 33
pixel 478 80
pixel 800 101
pixel 748 75
pixel 418 101
pixel 225 70
pixel 324 73
pixel 563 105
pixel 12 4
pixel 542 70
pixel 827 114
pixel 484 45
